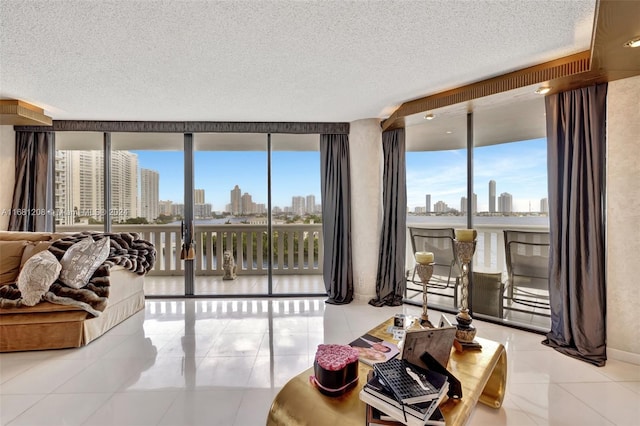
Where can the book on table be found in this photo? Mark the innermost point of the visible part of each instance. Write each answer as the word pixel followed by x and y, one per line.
pixel 434 416
pixel 374 350
pixel 386 401
pixel 409 383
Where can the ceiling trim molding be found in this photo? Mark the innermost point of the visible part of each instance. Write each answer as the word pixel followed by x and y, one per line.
pixel 16 112
pixel 190 127
pixel 563 67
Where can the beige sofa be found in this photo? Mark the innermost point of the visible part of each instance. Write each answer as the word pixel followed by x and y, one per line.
pixel 49 325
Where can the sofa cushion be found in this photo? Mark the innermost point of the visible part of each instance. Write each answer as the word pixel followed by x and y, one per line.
pixel 10 257
pixel 32 248
pixel 82 259
pixel 36 276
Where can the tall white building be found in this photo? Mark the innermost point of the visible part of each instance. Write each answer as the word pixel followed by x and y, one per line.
pixel 79 190
pixel 298 205
pixel 428 203
pixel 544 205
pixel 474 204
pixel 236 200
pixel 505 203
pixel 198 196
pixel 440 207
pixel 247 204
pixel 311 204
pixel 492 196
pixel 149 194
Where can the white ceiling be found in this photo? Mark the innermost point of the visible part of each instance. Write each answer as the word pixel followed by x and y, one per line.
pixel 269 60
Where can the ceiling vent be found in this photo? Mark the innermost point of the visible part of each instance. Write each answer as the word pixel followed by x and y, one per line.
pixel 19 113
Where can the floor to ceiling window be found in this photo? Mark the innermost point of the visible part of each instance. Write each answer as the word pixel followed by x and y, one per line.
pixel 510 182
pixel 230 213
pixel 79 179
pixel 436 162
pixel 147 193
pixel 296 214
pixel 508 192
pixel 257 227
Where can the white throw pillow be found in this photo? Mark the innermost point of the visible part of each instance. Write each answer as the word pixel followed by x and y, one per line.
pixel 37 275
pixel 82 259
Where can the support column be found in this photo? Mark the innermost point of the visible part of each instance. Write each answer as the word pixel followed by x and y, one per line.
pixel 365 155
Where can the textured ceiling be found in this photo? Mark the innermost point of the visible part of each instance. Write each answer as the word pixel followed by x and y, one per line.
pixel 269 60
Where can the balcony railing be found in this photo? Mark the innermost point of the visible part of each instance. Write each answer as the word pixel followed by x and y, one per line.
pixel 297 248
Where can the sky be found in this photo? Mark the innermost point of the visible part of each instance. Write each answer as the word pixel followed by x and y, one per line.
pixel 519 168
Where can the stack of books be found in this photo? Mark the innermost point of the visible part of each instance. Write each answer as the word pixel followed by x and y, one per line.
pixel 398 392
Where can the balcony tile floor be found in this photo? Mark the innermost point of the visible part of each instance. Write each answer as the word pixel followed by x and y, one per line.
pixel 221 362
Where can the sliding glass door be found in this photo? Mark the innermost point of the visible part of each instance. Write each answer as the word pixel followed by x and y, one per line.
pixel 230 211
pixel 147 192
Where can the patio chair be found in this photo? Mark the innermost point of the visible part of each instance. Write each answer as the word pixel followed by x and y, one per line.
pixel 527 258
pixel 446 270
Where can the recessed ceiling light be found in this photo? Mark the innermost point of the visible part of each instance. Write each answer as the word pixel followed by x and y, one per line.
pixel 429 117
pixel 634 42
pixel 449 132
pixel 543 90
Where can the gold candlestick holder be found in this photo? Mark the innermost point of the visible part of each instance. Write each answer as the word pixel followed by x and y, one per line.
pixel 465 331
pixel 425 270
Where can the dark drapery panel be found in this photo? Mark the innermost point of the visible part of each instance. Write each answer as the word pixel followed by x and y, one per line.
pixel 576 161
pixel 32 205
pixel 336 217
pixel 391 280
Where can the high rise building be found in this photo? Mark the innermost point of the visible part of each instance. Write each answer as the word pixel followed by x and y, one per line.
pixel 236 195
pixel 79 190
pixel 247 204
pixel 440 207
pixel 165 207
pixel 202 210
pixel 474 204
pixel 492 196
pixel 149 194
pixel 198 196
pixel 428 203
pixel 311 204
pixel 124 185
pixel 505 203
pixel 544 205
pixel 298 205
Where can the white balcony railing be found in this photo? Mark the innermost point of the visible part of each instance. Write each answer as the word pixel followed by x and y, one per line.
pixel 298 249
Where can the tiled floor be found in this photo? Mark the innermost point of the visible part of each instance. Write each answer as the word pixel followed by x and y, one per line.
pixel 221 362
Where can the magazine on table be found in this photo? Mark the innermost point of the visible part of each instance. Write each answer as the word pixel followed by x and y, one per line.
pixel 373 350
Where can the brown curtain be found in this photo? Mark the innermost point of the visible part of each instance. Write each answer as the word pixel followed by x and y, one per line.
pixel 391 279
pixel 576 162
pixel 336 218
pixel 32 206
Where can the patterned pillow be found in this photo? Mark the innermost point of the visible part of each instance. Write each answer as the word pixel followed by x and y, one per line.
pixel 82 259
pixel 37 275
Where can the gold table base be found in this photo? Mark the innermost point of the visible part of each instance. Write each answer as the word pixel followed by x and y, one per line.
pixel 483 375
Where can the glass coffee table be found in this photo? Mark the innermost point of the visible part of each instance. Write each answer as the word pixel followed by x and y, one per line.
pixel 483 374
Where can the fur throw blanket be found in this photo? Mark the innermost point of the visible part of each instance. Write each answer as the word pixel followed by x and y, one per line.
pixel 127 250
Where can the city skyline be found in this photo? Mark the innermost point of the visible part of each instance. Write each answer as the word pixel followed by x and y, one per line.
pixel 441 174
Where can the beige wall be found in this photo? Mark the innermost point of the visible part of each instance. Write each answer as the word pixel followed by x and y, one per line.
pixel 623 219
pixel 365 155
pixel 7 173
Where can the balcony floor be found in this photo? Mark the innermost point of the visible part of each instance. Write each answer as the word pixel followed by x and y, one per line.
pixel 247 285
pixel 243 285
